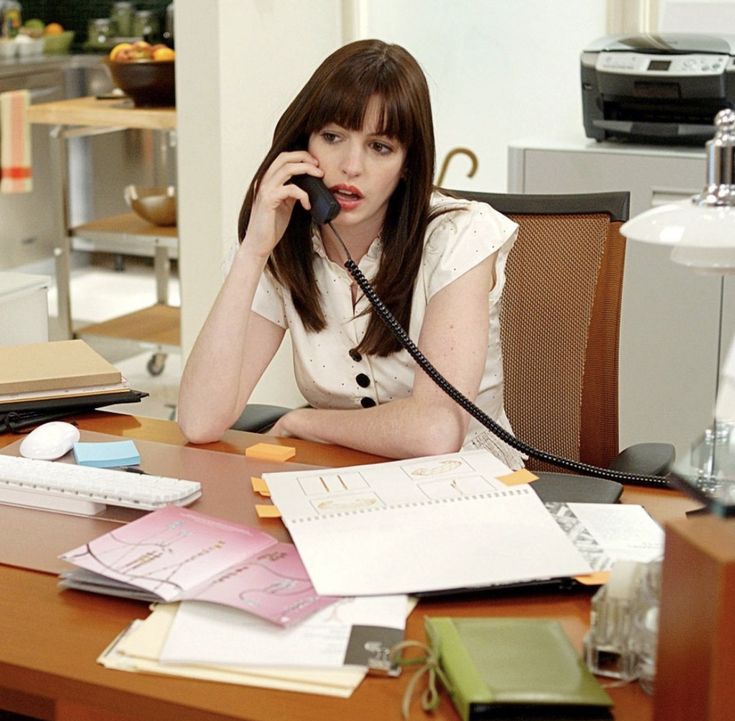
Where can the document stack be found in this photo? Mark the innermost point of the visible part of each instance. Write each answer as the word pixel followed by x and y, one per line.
pixel 234 605
pixel 44 381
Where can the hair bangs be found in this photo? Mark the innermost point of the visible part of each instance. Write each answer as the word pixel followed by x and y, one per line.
pixel 348 105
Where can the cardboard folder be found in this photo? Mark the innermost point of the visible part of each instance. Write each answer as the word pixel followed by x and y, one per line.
pixel 53 365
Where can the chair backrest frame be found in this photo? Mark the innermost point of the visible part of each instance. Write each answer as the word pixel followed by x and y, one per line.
pixel 564 281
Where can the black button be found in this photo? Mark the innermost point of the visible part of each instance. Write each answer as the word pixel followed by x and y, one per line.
pixel 367 403
pixel 357 357
pixel 362 380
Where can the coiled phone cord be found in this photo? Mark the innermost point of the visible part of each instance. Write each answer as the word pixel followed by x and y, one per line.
pixel 404 339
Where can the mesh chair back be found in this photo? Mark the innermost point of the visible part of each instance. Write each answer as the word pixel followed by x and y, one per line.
pixel 560 322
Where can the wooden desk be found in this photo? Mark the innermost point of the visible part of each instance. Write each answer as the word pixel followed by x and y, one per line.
pixel 49 640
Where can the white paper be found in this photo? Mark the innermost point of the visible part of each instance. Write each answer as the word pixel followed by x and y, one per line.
pixel 624 532
pixel 307 494
pixel 138 649
pixel 429 524
pixel 207 634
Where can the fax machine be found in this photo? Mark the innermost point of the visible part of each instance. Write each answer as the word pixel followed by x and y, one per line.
pixel 657 88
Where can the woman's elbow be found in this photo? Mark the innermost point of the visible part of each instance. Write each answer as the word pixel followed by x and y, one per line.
pixel 197 432
pixel 442 432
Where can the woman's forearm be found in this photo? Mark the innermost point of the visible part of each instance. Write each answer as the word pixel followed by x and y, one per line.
pixel 404 428
pixel 212 385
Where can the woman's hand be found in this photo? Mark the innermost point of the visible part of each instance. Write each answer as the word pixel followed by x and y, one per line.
pixel 275 198
pixel 279 427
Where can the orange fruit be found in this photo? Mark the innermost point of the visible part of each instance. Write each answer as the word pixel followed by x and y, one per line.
pixel 116 50
pixel 164 54
pixel 53 29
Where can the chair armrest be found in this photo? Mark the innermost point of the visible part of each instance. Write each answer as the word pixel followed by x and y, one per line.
pixel 651 459
pixel 259 417
pixel 569 488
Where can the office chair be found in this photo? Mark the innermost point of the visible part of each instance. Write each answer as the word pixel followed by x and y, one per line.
pixel 560 322
pixel 560 328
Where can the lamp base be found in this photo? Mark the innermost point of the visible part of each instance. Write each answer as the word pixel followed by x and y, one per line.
pixel 708 473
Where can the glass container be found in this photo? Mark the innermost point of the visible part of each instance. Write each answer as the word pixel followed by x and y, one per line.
pixel 122 17
pixel 99 32
pixel 146 25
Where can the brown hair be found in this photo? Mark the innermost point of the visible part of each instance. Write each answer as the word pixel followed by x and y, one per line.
pixel 339 91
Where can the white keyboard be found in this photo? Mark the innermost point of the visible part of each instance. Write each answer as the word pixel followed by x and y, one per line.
pixel 71 488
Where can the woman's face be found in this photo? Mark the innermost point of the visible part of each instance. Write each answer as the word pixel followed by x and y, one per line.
pixel 362 169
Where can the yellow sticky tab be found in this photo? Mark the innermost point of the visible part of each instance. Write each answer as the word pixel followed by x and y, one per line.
pixel 598 578
pixel 270 452
pixel 522 475
pixel 260 486
pixel 267 510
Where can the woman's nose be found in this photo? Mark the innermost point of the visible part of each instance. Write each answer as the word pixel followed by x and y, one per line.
pixel 352 161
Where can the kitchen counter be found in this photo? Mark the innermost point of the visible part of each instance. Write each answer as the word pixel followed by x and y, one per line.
pixel 42 63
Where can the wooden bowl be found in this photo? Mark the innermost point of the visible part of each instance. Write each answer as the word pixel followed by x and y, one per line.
pixel 149 83
pixel 156 204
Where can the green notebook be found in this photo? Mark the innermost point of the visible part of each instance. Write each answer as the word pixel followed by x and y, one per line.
pixel 515 668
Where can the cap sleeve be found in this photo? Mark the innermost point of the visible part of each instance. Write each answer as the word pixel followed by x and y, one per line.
pixel 462 238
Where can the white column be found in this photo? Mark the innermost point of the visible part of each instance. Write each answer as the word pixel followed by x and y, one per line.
pixel 238 65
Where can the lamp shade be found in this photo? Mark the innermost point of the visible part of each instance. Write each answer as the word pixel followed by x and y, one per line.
pixel 702 237
pixel 701 230
pixel 684 224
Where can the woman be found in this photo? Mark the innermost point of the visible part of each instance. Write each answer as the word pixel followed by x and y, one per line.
pixel 363 125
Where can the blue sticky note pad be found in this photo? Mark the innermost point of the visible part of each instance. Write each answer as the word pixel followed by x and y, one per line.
pixel 107 455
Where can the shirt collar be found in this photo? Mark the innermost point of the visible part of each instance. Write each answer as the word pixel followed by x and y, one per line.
pixel 368 261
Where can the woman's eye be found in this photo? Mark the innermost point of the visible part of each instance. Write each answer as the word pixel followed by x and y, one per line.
pixel 329 137
pixel 381 148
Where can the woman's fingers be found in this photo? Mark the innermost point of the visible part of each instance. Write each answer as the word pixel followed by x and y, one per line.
pixel 276 196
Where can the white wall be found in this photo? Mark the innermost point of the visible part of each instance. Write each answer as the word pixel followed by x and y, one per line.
pixel 497 69
pixel 236 72
pixel 696 16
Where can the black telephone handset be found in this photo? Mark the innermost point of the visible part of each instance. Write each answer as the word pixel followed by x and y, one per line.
pixel 323 205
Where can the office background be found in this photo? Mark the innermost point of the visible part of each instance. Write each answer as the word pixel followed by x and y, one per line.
pixel 499 71
pixel 495 70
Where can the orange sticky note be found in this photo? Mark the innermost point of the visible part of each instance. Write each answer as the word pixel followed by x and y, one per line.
pixel 270 452
pixel 267 510
pixel 260 486
pixel 522 475
pixel 598 578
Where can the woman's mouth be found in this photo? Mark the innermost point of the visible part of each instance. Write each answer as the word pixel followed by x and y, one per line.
pixel 347 196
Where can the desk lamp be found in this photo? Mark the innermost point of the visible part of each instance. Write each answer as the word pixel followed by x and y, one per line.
pixel 701 231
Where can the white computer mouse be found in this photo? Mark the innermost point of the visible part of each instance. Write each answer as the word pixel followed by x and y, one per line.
pixel 49 441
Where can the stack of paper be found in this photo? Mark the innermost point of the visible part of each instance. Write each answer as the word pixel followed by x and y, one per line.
pixel 366 533
pixel 40 382
pixel 175 554
pixel 256 619
pixel 328 653
pixel 139 650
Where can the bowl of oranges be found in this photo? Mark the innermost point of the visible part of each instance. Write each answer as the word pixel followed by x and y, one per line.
pixel 144 72
pixel 56 40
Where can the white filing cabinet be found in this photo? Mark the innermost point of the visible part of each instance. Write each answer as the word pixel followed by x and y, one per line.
pixel 23 308
pixel 670 321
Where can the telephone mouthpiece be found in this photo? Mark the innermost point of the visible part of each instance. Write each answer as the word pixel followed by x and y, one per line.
pixel 323 205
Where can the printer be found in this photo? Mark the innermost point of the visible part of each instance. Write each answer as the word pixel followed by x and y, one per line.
pixel 657 88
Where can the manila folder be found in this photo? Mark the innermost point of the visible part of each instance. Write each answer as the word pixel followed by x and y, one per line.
pixel 52 366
